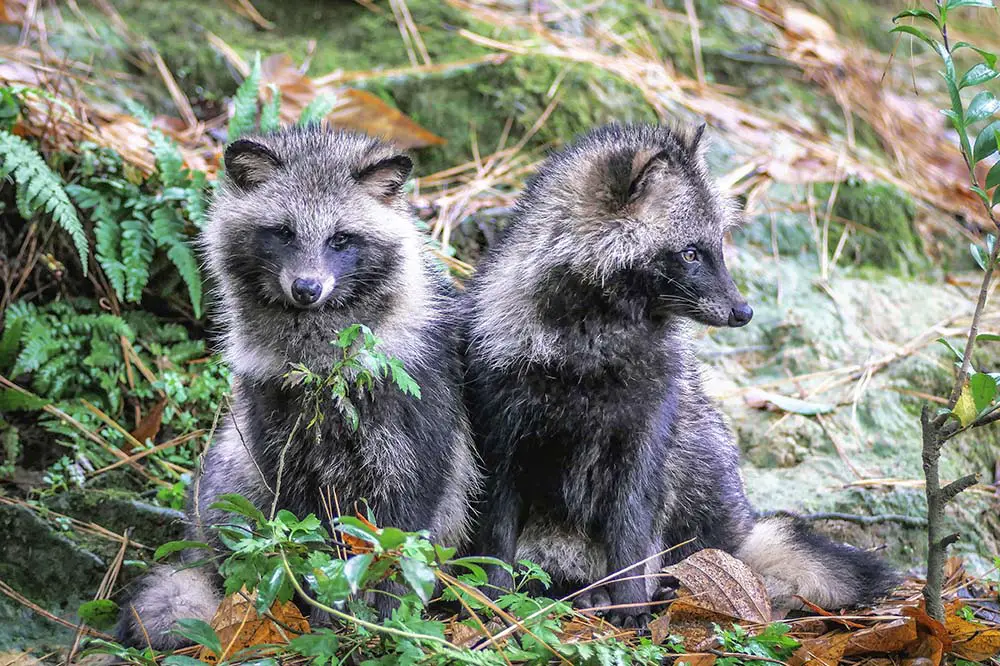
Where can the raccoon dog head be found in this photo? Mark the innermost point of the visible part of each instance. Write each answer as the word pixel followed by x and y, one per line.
pixel 635 204
pixel 310 219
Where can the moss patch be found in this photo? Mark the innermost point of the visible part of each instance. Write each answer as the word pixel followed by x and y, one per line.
pixel 885 236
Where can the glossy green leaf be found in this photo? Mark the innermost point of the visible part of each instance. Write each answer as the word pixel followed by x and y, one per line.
pixel 977 75
pixel 418 576
pixel 981 193
pixel 984 389
pixel 993 177
pixel 951 348
pixel 988 337
pixel 916 13
pixel 986 142
pixel 979 255
pixel 268 589
pixel 175 546
pixel 918 33
pixel 200 632
pixel 356 569
pixel 982 106
pixel 235 503
pixel 955 4
pixel 99 613
pixel 182 660
pixel 988 57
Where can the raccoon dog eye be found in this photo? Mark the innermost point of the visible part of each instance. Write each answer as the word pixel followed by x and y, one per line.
pixel 690 255
pixel 283 233
pixel 339 241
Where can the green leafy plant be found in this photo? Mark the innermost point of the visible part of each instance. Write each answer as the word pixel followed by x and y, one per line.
pixel 356 373
pixel 70 351
pixel 283 557
pixel 39 189
pixel 134 219
pixel 973 402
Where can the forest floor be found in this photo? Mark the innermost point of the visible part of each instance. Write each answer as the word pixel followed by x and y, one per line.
pixel 855 256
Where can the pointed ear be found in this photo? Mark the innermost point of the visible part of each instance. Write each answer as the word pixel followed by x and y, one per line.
pixel 643 167
pixel 385 179
pixel 694 147
pixel 248 163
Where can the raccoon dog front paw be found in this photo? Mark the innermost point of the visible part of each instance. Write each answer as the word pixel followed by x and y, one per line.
pixel 628 618
pixel 595 601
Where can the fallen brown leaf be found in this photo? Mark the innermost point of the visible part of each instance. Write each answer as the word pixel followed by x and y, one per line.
pixel 927 652
pixel 238 626
pixel 363 111
pixel 883 637
pixel 696 659
pixel 464 635
pixel 150 424
pixel 722 584
pixel 825 650
pixel 970 640
pixel 927 624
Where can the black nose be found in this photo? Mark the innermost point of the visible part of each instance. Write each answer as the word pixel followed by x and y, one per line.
pixel 306 291
pixel 740 315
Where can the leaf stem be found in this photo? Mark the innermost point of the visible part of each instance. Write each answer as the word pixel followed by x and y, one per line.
pixel 350 618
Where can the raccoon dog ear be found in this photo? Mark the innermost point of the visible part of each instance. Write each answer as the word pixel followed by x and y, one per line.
pixel 642 172
pixel 694 145
pixel 385 178
pixel 248 163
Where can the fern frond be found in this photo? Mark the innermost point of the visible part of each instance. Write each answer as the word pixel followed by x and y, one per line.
pixel 194 202
pixel 107 232
pixel 245 103
pixel 168 230
pixel 169 162
pixel 317 110
pixel 40 188
pixel 270 115
pixel 137 254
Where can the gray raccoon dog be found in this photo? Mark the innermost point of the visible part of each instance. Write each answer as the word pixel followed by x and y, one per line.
pixel 309 234
pixel 600 445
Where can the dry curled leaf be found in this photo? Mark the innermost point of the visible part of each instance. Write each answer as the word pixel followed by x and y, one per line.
pixel 970 640
pixel 928 651
pixel 363 111
pixel 825 650
pixel 720 583
pixel 696 659
pixel 238 626
pixel 883 637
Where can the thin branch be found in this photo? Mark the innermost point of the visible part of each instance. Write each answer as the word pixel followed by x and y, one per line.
pixel 877 519
pixel 949 492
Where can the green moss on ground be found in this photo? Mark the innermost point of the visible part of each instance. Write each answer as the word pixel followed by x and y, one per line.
pixel 885 236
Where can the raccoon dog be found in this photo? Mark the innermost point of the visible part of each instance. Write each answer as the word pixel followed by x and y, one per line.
pixel 309 234
pixel 600 445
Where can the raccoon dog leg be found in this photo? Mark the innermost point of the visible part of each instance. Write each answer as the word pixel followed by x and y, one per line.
pixel 796 562
pixel 164 596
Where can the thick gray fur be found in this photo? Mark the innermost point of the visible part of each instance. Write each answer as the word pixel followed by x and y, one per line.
pixel 288 202
pixel 600 445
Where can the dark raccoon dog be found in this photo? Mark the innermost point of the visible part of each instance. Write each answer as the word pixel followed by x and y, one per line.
pixel 600 445
pixel 309 234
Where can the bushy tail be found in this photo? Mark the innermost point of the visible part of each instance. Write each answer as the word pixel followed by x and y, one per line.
pixel 795 562
pixel 161 597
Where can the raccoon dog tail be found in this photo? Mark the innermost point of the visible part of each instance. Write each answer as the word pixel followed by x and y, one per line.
pixel 162 597
pixel 795 561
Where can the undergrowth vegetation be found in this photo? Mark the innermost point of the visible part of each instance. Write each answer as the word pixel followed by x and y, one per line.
pixel 108 376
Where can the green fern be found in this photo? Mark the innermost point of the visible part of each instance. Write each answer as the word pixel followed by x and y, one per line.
pixel 39 188
pixel 317 109
pixel 270 115
pixel 168 230
pixel 245 105
pixel 137 255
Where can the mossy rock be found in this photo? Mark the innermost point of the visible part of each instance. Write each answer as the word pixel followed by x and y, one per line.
pixel 47 567
pixel 884 235
pixel 118 511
